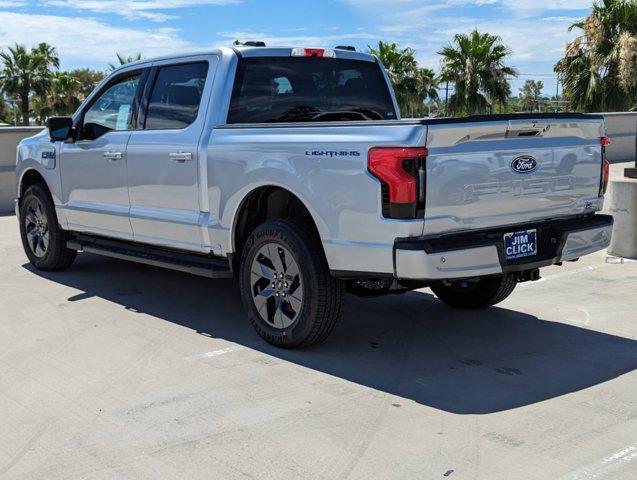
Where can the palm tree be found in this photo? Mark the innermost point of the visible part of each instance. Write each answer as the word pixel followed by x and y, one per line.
pixel 426 87
pixel 412 84
pixel 599 68
pixel 27 72
pixel 49 54
pixel 475 64
pixel 531 95
pixel 5 112
pixel 122 60
pixel 65 93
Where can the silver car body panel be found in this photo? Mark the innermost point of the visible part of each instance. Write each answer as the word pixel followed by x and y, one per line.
pixel 586 242
pixel 471 183
pixel 195 205
pixel 470 262
pixel 94 189
pixel 163 178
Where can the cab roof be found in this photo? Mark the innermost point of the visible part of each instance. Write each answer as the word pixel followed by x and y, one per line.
pixel 250 52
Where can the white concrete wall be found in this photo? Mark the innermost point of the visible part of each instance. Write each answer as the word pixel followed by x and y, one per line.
pixel 9 139
pixel 622 130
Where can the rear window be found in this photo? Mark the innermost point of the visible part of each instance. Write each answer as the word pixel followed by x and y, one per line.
pixel 304 89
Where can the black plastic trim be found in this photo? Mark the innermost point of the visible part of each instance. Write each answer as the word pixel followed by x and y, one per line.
pixel 552 236
pixel 197 264
pixel 354 275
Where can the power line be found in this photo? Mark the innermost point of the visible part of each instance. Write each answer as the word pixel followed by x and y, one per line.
pixel 536 74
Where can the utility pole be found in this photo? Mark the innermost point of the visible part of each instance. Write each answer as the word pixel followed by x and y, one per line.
pixel 557 93
pixel 13 103
pixel 447 99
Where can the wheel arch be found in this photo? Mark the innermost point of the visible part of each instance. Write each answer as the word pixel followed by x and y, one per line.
pixel 31 176
pixel 267 202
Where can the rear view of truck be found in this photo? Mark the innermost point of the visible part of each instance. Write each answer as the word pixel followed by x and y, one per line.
pixel 503 196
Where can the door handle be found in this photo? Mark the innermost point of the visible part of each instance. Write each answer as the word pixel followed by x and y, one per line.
pixel 113 155
pixel 180 157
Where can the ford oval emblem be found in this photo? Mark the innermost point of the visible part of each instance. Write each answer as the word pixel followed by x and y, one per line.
pixel 524 164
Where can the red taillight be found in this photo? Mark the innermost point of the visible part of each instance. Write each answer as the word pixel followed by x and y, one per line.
pixel 605 176
pixel 398 169
pixel 605 142
pixel 313 52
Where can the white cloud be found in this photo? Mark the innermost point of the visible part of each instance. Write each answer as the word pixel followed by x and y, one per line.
pixel 87 41
pixel 535 30
pixel 135 9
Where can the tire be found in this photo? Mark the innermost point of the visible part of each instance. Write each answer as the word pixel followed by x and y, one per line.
pixel 300 308
pixel 43 241
pixel 471 295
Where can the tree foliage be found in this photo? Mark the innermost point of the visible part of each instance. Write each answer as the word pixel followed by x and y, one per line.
pixel 27 72
pixel 475 63
pixel 89 80
pixel 599 68
pixel 531 95
pixel 32 77
pixel 412 84
pixel 123 60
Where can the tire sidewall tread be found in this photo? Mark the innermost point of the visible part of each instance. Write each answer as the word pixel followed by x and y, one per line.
pixel 57 256
pixel 322 294
pixel 489 292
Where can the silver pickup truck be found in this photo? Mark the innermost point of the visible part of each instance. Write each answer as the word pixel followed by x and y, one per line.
pixel 291 169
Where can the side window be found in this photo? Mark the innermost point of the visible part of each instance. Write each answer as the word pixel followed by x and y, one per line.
pixel 113 110
pixel 176 95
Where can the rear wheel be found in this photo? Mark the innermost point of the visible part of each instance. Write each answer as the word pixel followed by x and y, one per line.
pixel 43 241
pixel 286 287
pixel 474 294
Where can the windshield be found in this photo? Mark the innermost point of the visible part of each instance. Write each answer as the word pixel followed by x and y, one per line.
pixel 304 89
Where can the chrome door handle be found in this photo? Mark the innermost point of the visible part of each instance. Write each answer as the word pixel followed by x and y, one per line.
pixel 113 155
pixel 180 157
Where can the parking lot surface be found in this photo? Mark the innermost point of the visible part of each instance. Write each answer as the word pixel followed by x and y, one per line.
pixel 116 370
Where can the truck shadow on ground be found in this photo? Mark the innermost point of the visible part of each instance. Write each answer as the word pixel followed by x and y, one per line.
pixel 410 345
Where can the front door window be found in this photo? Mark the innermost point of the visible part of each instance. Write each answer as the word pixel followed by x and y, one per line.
pixel 113 110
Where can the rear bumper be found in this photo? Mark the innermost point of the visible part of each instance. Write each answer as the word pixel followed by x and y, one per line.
pixel 481 253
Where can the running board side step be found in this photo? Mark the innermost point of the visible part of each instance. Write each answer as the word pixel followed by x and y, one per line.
pixel 202 265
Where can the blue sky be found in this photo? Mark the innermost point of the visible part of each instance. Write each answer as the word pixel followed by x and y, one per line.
pixel 89 32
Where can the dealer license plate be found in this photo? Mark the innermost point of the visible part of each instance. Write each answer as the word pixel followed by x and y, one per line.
pixel 520 244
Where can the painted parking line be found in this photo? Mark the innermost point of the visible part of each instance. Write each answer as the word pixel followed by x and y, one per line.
pixel 569 273
pixel 214 353
pixel 604 466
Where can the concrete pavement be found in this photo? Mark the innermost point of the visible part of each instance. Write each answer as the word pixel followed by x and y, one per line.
pixel 115 370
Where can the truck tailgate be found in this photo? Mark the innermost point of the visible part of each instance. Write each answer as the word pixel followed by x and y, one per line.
pixel 495 173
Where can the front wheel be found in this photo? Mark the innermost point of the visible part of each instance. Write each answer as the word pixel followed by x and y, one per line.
pixel 474 294
pixel 43 241
pixel 286 287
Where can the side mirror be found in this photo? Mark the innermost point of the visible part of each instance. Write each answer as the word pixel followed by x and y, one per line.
pixel 60 128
